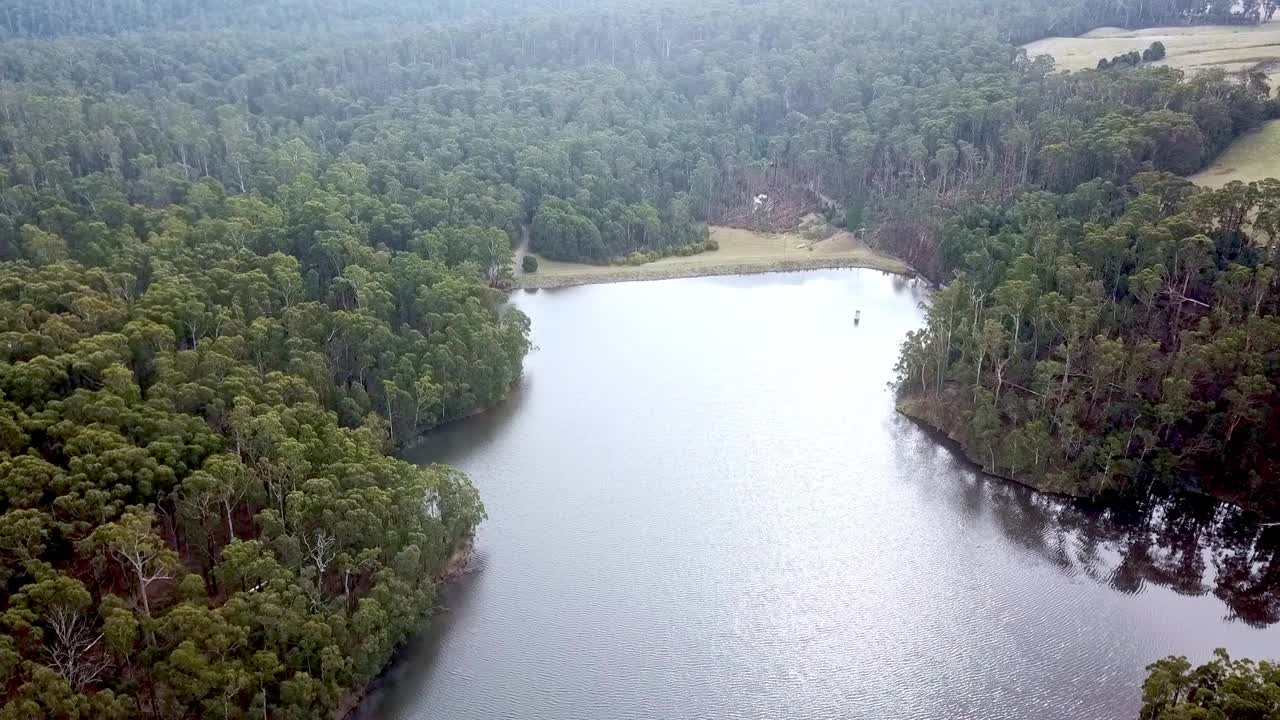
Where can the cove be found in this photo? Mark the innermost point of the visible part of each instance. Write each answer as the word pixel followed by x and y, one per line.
pixel 702 504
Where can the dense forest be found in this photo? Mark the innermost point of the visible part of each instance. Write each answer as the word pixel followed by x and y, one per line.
pixel 609 134
pixel 1111 338
pixel 1220 688
pixel 195 406
pixel 249 249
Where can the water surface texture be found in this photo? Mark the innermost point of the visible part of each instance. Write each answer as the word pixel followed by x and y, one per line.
pixel 702 505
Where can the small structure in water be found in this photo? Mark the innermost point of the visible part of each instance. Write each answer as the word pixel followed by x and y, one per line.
pixel 857 316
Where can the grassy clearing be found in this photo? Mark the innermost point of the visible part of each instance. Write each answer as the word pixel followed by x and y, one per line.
pixel 1230 47
pixel 741 252
pixel 1255 156
pixel 1234 48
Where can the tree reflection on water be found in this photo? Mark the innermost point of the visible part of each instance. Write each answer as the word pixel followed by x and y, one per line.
pixel 1191 545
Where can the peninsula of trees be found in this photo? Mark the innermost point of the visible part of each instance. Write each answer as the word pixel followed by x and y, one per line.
pixel 1110 339
pixel 247 249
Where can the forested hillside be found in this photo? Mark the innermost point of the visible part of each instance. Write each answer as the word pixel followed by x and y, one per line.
pixel 1111 338
pixel 611 132
pixel 248 248
pixel 195 403
pixel 52 18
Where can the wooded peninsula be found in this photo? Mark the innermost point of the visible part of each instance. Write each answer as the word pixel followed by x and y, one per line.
pixel 250 250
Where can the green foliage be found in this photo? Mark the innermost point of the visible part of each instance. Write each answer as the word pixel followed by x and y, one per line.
pixel 187 517
pixel 1221 688
pixel 1130 59
pixel 1139 347
pixel 51 18
pixel 247 248
pixel 604 148
pixel 529 264
pixel 206 349
pixel 854 217
pixel 1133 58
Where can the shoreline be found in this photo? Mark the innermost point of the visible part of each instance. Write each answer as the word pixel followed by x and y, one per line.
pixel 638 273
pixel 916 412
pixel 398 450
pixel 454 568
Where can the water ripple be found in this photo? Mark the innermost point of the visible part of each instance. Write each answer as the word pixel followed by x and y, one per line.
pixel 703 506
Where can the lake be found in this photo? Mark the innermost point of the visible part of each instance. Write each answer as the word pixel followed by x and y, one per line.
pixel 703 505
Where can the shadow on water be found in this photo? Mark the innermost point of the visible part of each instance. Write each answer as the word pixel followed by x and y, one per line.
pixel 1189 544
pixel 442 444
pixel 420 651
pixel 453 440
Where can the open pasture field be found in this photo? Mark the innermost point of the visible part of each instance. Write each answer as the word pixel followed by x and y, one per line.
pixel 1233 48
pixel 1255 156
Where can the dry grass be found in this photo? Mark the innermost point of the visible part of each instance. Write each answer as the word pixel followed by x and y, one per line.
pixel 741 252
pixel 1255 156
pixel 1230 47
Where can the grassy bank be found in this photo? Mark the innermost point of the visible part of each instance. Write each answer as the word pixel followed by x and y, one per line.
pixel 741 252
pixel 1232 48
pixel 1253 157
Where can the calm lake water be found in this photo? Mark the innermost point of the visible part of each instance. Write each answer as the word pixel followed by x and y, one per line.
pixel 703 505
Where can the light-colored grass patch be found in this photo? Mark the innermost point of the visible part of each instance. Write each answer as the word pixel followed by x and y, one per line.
pixel 741 252
pixel 1230 47
pixel 1255 156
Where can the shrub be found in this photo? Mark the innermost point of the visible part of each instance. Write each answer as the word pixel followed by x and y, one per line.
pixel 530 264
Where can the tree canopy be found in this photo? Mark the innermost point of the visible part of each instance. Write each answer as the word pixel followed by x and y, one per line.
pixel 247 249
pixel 1220 688
pixel 1109 339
